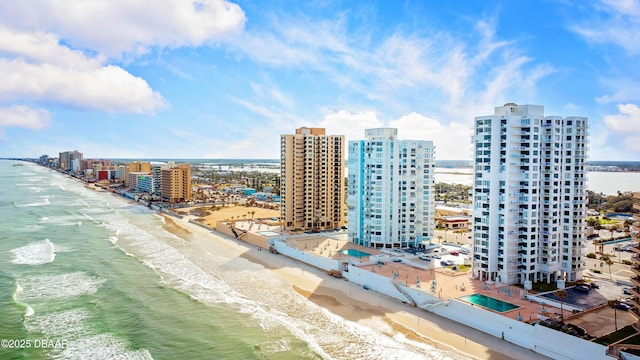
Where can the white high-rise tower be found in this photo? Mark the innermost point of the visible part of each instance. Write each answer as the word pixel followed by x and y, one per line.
pixel 390 190
pixel 529 195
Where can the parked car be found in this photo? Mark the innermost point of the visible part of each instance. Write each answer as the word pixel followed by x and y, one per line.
pixel 396 260
pixel 626 291
pixel 594 285
pixel 582 289
pixel 425 257
pixel 623 306
pixel 446 263
pixel 436 256
pixel 454 253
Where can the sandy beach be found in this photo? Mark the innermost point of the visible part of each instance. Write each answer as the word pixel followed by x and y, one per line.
pixel 356 304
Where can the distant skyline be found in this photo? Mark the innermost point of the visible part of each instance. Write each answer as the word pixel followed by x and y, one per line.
pixel 218 79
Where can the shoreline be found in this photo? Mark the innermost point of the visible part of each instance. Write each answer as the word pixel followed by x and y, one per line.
pixel 350 301
pixel 353 303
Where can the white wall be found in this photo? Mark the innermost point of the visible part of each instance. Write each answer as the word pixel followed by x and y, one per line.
pixel 374 282
pixel 558 345
pixel 543 340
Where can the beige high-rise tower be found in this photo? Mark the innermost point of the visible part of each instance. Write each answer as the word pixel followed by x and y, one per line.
pixel 312 180
pixel 175 183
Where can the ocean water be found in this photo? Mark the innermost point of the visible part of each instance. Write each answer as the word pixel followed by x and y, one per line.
pixel 99 278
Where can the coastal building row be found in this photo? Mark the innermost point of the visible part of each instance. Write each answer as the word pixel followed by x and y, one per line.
pixel 170 181
pixel 529 197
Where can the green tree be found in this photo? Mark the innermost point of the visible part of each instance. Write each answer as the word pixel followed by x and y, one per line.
pixel 609 262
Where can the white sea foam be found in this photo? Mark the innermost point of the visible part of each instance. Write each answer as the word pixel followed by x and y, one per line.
pixel 67 324
pixel 82 341
pixel 35 253
pixel 63 220
pixel 43 202
pixel 51 287
pixel 28 309
pixel 30 228
pixel 102 346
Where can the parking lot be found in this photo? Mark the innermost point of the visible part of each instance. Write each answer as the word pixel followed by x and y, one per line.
pixel 450 255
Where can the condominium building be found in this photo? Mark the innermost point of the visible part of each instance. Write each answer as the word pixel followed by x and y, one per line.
pixel 156 170
pixel 139 181
pixel 67 159
pixel 312 180
pixel 390 191
pixel 145 183
pixel 529 196
pixel 134 167
pixel 175 183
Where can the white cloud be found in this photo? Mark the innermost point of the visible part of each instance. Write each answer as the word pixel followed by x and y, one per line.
pixel 272 92
pixel 619 138
pixel 456 75
pixel 571 106
pixel 626 121
pixel 452 140
pixel 131 27
pixel 25 117
pixel 36 67
pixel 632 144
pixel 351 125
pixel 616 22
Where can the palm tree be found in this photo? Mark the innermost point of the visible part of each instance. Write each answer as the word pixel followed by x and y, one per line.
pixel 609 262
pixel 627 224
pixel 561 294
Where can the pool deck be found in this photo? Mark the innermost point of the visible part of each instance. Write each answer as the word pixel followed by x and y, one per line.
pixel 452 284
pixel 331 247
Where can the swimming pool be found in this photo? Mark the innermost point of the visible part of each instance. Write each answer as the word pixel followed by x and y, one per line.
pixel 355 253
pixel 619 216
pixel 489 302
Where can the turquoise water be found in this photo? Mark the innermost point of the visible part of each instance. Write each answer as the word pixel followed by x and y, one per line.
pixel 617 241
pixel 109 280
pixel 355 253
pixel 620 216
pixel 489 302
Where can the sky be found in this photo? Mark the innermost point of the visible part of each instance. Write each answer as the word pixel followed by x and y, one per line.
pixel 224 79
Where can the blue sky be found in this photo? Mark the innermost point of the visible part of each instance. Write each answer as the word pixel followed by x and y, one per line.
pixel 218 79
